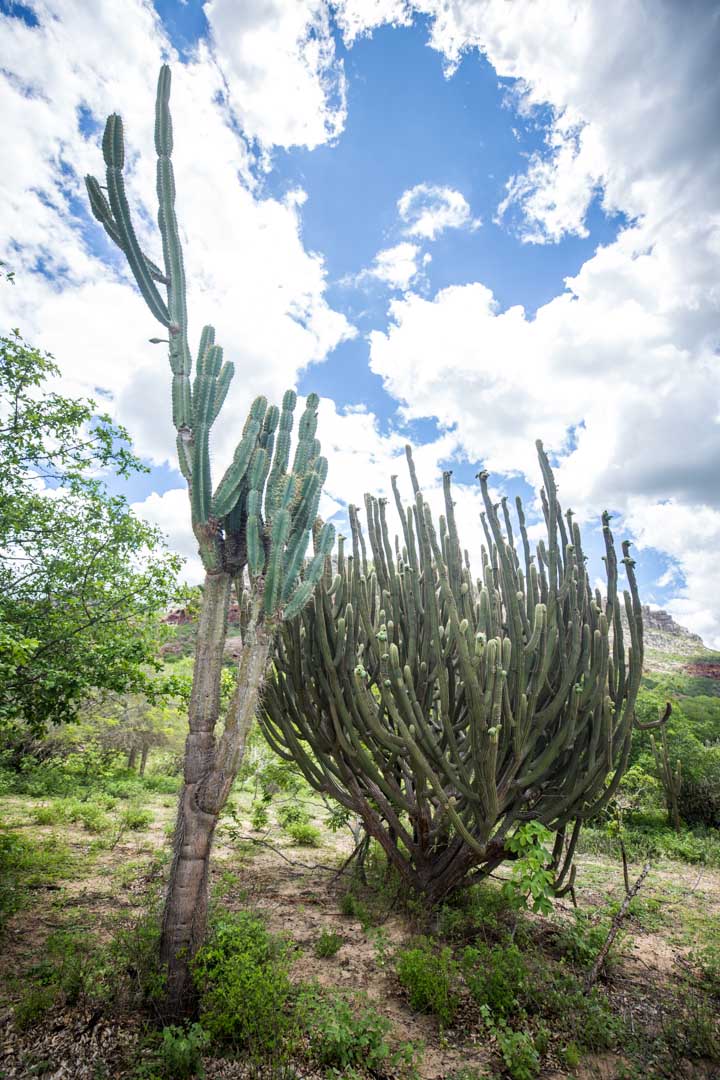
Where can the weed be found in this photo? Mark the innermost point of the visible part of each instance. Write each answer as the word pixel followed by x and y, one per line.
pixel 496 977
pixel 429 975
pixel 328 944
pixel 291 814
pixel 342 1036
pixel 135 818
pixel 242 976
pixel 179 1055
pixel 259 817
pixel 304 834
pixel 35 1002
pixel 24 865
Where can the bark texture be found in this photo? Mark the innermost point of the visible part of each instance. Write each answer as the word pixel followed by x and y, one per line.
pixel 210 767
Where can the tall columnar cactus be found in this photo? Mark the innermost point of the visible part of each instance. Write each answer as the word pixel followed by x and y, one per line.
pixel 252 530
pixel 671 779
pixel 446 710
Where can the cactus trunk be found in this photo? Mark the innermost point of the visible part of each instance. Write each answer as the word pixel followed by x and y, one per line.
pixel 252 533
pixel 210 768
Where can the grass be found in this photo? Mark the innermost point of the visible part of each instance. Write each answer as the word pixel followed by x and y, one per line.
pixel 476 974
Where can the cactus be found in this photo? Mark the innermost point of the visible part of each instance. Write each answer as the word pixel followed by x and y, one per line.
pixel 252 532
pixel 445 711
pixel 671 779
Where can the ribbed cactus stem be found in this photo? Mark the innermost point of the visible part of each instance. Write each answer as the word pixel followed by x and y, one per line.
pixel 413 692
pixel 252 533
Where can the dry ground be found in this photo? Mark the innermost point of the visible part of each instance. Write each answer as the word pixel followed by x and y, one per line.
pixel 298 891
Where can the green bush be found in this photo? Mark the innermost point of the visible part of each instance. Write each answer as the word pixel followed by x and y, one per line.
pixel 581 938
pixel 699 799
pixel 328 944
pixel 496 977
pixel 245 991
pixel 291 814
pixel 521 1056
pixel 304 834
pixel 179 1055
pixel 259 817
pixel 429 976
pixel 35 1002
pixel 135 818
pixel 342 1036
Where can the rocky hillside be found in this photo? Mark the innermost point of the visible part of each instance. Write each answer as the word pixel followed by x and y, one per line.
pixel 663 634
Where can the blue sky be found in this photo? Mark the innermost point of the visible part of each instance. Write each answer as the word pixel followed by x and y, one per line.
pixel 562 288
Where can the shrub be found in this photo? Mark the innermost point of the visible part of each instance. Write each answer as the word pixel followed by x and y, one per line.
pixel 429 976
pixel 581 938
pixel 328 944
pixel 259 817
pixel 291 814
pixel 179 1055
pixel 35 1002
pixel 24 864
pixel 341 1036
pixel 135 818
pixel 242 976
pixel 304 834
pixel 519 1053
pixel 496 977
pixel 699 801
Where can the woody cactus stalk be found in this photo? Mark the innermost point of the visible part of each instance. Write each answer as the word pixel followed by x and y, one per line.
pixel 252 532
pixel 445 710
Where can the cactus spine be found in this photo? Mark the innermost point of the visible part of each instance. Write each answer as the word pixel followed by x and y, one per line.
pixel 443 709
pixel 252 532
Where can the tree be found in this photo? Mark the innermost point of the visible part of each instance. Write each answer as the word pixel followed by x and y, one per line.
pixel 252 531
pixel 81 577
pixel 446 710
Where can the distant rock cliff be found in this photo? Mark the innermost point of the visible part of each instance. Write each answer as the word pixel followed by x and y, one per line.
pixel 665 635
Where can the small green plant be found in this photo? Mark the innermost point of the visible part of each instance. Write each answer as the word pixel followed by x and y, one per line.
pixel 429 976
pixel 343 1035
pixel 353 907
pixel 242 975
pixel 291 814
pixel 519 1052
pixel 304 834
pixel 581 938
pixel 259 817
pixel 531 879
pixel 135 818
pixel 179 1055
pixel 35 1002
pixel 328 944
pixel 571 1055
pixel 496 977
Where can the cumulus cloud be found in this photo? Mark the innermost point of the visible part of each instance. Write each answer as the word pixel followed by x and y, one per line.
pixel 428 209
pixel 284 81
pixel 248 271
pixel 398 266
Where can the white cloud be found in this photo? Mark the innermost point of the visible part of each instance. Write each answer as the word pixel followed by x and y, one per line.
pixel 285 84
pixel 428 209
pixel 398 266
pixel 248 271
pixel 358 18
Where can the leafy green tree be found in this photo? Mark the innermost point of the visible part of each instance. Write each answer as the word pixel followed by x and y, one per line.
pixel 81 577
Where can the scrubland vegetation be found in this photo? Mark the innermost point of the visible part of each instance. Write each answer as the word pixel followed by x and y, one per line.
pixel 308 971
pixel 377 817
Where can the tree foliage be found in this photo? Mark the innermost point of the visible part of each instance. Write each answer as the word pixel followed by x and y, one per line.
pixel 81 577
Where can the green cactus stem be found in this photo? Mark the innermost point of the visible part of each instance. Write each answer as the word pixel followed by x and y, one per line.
pixel 252 532
pixel 445 709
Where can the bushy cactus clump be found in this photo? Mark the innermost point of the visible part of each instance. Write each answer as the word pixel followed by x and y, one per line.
pixel 447 710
